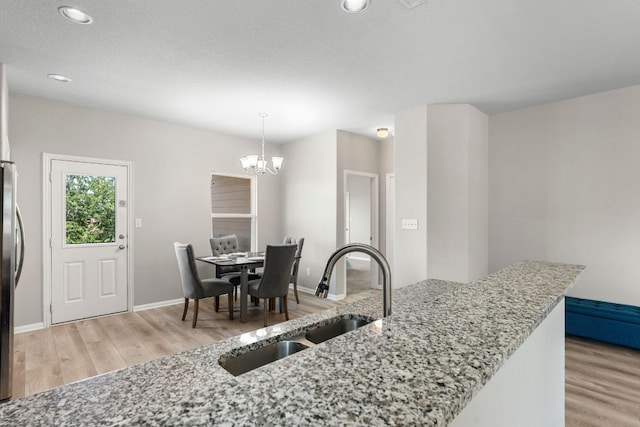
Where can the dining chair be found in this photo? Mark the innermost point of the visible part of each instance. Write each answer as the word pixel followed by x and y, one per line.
pixel 288 240
pixel 222 245
pixel 296 263
pixel 276 275
pixel 196 288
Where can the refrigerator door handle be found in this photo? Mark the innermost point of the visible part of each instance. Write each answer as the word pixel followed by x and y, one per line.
pixel 21 238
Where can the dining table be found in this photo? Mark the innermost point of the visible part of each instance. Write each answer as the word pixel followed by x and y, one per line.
pixel 242 262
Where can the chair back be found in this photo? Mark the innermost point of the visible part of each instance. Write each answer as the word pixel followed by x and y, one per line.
pixel 296 263
pixel 191 284
pixel 224 244
pixel 278 262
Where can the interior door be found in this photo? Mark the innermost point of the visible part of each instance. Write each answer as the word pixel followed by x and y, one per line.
pixel 89 204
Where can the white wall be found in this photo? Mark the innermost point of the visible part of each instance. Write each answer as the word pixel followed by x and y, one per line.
pixel 565 186
pixel 411 195
pixel 4 104
pixel 528 390
pixel 172 167
pixel 386 165
pixel 457 192
pixel 308 192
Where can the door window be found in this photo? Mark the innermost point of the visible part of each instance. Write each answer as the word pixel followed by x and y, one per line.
pixel 90 203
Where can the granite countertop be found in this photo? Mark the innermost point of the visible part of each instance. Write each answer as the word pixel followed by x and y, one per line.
pixel 420 366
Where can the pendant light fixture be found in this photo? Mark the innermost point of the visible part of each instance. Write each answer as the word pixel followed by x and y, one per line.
pixel 254 164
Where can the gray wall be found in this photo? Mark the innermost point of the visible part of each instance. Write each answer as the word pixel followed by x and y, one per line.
pixel 565 186
pixel 457 199
pixel 386 166
pixel 4 104
pixel 172 168
pixel 359 189
pixel 411 195
pixel 308 192
pixel 441 180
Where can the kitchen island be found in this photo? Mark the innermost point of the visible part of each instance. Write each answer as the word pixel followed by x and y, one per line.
pixel 421 366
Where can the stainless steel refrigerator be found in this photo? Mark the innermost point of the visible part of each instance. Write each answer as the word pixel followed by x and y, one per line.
pixel 11 257
pixel 11 245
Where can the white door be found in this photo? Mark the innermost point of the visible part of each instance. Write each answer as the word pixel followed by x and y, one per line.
pixel 89 203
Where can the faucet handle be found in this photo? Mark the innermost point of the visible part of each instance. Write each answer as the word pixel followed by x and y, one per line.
pixel 323 288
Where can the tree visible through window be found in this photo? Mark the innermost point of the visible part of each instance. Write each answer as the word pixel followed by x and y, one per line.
pixel 90 209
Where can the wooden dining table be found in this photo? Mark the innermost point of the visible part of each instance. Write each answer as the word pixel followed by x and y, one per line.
pixel 243 262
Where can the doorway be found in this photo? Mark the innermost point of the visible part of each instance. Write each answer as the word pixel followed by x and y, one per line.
pixel 88 246
pixel 361 226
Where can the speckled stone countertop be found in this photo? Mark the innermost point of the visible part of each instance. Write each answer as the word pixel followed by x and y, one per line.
pixel 418 367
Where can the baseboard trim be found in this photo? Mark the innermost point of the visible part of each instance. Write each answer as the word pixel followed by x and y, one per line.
pixel 159 304
pixel 28 328
pixel 313 291
pixel 304 290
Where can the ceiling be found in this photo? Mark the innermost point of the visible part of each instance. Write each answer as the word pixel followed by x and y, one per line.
pixel 216 64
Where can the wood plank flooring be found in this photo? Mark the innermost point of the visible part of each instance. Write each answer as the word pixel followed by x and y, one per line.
pixel 602 381
pixel 602 384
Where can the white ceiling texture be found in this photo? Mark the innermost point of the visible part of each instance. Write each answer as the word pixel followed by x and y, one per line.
pixel 216 64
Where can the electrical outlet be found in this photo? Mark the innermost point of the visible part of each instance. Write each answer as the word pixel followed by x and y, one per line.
pixel 308 271
pixel 409 224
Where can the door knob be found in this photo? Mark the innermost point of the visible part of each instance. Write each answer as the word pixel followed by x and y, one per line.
pixel 121 247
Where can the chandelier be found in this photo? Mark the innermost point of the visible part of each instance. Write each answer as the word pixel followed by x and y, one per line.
pixel 254 164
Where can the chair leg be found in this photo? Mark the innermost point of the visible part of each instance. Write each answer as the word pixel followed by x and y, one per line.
pixel 186 307
pixel 216 303
pixel 230 305
pixel 195 313
pixel 286 311
pixel 266 311
pixel 295 291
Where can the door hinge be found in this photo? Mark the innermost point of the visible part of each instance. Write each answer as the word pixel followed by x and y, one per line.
pixel 50 176
pixel 51 308
pixel 50 244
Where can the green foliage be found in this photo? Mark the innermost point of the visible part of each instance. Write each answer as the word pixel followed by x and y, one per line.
pixel 90 209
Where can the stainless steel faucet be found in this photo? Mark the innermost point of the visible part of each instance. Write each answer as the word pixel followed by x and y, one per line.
pixel 323 287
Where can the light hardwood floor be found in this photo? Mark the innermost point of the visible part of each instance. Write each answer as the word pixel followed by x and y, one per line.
pixel 602 381
pixel 602 384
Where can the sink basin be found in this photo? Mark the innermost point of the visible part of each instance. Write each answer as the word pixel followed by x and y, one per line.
pixel 245 362
pixel 339 326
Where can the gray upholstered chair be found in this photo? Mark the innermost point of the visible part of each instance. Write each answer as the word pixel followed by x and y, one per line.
pixel 223 245
pixel 296 264
pixel 194 287
pixel 274 283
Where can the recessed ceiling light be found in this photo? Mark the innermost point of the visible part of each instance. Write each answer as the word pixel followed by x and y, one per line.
pixel 59 78
pixel 354 6
pixel 75 15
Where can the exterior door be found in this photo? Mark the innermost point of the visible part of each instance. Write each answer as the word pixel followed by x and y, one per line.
pixel 89 203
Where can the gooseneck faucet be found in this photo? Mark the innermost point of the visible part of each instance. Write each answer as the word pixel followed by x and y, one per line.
pixel 323 287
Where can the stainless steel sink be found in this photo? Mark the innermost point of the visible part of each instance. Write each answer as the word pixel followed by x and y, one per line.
pixel 245 362
pixel 252 359
pixel 339 326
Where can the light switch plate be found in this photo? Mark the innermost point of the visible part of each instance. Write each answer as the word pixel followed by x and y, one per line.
pixel 409 224
pixel 138 222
